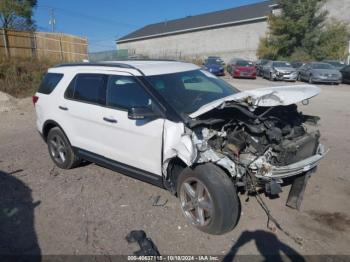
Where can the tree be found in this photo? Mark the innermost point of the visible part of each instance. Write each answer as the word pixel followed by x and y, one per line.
pixel 17 14
pixel 303 31
pixel 334 42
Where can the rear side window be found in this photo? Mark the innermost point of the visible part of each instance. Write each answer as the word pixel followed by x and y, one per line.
pixel 90 88
pixel 49 83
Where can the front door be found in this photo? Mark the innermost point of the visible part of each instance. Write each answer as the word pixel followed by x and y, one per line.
pixel 136 143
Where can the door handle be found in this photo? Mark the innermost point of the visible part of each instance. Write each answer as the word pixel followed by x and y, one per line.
pixel 63 108
pixel 110 120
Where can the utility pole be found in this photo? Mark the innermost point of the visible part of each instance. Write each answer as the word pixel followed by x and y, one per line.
pixel 52 21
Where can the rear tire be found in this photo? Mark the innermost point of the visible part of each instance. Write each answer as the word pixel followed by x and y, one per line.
pixel 60 149
pixel 208 199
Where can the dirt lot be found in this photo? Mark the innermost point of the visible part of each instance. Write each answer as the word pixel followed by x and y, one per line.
pixel 90 210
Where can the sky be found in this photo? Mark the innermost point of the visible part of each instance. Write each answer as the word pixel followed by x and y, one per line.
pixel 104 21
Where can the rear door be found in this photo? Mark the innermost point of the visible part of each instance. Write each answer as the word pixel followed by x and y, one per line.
pixel 81 114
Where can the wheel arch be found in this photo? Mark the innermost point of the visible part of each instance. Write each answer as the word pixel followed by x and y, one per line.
pixel 174 169
pixel 48 125
pixel 176 166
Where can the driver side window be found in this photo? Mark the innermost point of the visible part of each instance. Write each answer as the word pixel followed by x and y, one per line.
pixel 124 92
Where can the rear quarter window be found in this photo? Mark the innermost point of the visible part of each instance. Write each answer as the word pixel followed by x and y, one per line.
pixel 49 83
pixel 89 88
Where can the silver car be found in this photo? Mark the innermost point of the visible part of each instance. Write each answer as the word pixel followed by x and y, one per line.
pixel 317 72
pixel 279 70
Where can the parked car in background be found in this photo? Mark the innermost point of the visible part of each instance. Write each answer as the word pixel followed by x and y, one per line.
pixel 259 65
pixel 240 68
pixel 218 58
pixel 214 66
pixel 346 74
pixel 337 64
pixel 279 70
pixel 297 64
pixel 317 72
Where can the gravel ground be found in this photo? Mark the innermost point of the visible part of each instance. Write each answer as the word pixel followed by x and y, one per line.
pixel 90 210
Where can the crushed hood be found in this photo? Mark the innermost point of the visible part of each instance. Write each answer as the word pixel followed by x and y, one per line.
pixel 264 97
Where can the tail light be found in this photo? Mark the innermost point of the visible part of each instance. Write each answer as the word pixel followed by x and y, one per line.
pixel 35 99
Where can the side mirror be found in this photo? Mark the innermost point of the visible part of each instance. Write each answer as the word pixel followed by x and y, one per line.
pixel 137 113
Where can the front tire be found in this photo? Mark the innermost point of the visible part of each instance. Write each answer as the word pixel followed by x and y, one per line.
pixel 60 149
pixel 208 199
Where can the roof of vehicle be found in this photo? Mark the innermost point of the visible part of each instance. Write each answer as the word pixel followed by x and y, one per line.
pixel 135 67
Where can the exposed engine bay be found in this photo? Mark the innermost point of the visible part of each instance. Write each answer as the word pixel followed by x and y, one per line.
pixel 259 137
pixel 260 143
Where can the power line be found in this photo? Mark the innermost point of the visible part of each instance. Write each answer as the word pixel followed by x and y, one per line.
pixel 88 17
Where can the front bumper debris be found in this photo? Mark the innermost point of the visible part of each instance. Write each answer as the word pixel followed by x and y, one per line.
pixel 296 193
pixel 294 169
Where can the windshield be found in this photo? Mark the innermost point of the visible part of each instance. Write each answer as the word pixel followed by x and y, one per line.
pixel 213 61
pixel 322 66
pixel 244 63
pixel 281 64
pixel 186 92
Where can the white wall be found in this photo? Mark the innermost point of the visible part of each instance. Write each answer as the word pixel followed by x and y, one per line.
pixel 339 9
pixel 228 42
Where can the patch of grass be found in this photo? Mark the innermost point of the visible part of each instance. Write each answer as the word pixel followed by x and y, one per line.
pixel 21 77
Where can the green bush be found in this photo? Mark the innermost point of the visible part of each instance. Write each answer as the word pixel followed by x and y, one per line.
pixel 21 77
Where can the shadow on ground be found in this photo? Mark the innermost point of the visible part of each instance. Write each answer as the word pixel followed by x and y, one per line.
pixel 17 233
pixel 268 245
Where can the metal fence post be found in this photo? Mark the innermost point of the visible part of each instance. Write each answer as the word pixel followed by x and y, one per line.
pixel 34 45
pixel 7 51
pixel 61 47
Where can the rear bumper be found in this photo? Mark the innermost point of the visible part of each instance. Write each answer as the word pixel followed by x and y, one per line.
pixel 295 169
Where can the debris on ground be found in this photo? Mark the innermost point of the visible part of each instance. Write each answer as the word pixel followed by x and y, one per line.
pixel 147 247
pixel 155 200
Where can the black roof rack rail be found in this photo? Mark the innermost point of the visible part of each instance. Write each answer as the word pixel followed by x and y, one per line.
pixel 120 65
pixel 148 59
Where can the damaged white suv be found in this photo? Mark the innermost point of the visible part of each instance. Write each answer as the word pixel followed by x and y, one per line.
pixel 183 129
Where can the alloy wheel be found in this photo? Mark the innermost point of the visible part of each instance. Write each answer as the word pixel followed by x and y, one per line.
pixel 58 149
pixel 196 202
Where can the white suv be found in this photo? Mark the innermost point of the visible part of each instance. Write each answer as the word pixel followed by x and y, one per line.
pixel 179 127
